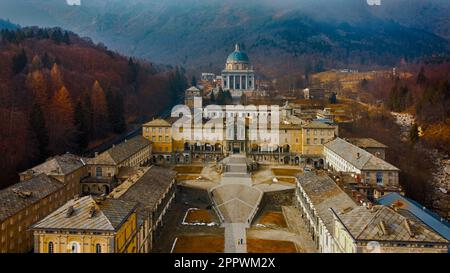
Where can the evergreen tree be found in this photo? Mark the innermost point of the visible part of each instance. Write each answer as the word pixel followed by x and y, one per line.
pixel 57 36
pixel 116 115
pixel 133 71
pixel 66 38
pixel 39 130
pixel 414 133
pixel 177 85
pixel 333 98
pixel 81 125
pixel 421 78
pixel 220 97
pixel 194 81
pixel 19 62
pixel 46 62
pixel 212 98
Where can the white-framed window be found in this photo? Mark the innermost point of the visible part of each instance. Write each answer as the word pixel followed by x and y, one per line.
pixel 73 247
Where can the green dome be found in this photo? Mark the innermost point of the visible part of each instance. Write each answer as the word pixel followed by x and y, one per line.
pixel 237 56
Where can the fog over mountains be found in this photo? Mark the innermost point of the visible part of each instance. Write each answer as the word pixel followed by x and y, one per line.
pixel 286 35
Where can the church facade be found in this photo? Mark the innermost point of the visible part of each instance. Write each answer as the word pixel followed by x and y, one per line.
pixel 238 76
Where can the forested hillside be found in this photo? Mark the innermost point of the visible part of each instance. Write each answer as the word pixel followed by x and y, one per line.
pixel 59 93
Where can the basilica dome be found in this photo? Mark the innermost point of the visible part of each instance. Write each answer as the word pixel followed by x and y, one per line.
pixel 237 56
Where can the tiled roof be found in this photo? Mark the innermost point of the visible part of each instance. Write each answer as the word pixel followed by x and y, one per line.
pixel 366 143
pixel 325 194
pixel 23 194
pixel 121 152
pixel 382 223
pixel 59 165
pixel 158 122
pixel 359 158
pixel 109 215
pixel 427 217
pixel 318 125
pixel 148 190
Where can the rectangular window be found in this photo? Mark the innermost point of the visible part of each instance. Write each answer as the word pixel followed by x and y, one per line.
pixel 379 178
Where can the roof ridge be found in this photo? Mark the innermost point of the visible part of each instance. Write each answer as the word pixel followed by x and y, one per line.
pixel 368 222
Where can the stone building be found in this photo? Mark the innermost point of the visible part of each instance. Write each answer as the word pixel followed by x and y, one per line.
pixel 431 219
pixel 69 169
pixel 382 229
pixel 299 141
pixel 238 75
pixel 154 191
pixel 23 204
pixel 104 169
pixel 342 156
pixel 87 225
pixel 41 190
pixel 190 94
pixel 371 145
pixel 315 195
pixel 314 135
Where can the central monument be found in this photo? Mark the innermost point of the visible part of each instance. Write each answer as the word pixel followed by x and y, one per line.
pixel 238 76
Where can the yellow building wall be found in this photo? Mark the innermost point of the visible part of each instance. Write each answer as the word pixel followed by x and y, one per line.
pixel 161 138
pixel 126 237
pixel 293 138
pixel 15 236
pixel 313 140
pixel 62 242
pixel 125 240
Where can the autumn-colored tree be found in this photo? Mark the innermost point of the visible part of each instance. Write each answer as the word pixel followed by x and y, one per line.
pixel 37 83
pixel 61 129
pixel 56 77
pixel 100 109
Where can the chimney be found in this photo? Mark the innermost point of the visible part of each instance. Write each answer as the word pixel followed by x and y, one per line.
pixel 358 155
pixel 92 211
pixel 69 211
pixel 96 154
pixel 408 228
pixel 383 228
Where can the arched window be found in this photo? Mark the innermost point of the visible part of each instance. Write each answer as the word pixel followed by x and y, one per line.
pixel 98 248
pixel 74 247
pixel 50 247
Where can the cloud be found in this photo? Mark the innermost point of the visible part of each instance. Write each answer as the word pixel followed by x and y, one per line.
pixel 73 2
pixel 374 2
